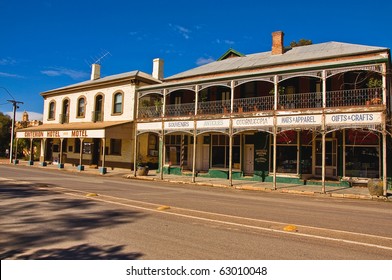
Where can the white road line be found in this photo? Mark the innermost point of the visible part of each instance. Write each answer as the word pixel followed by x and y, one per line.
pixel 97 198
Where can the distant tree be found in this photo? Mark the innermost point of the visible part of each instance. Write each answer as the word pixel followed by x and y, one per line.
pixel 301 42
pixel 5 133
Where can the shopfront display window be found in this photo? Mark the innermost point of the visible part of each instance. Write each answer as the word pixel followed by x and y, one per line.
pixel 220 151
pixel 175 146
pixel 362 162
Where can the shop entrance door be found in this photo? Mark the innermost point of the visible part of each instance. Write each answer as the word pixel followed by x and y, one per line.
pixel 249 159
pixel 330 158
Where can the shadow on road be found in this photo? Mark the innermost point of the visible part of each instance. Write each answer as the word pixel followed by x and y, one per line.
pixel 38 223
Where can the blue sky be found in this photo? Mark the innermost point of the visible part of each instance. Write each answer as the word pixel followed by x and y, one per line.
pixel 49 44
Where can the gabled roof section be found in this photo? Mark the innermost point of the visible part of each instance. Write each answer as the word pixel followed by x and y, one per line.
pixel 229 54
pixel 132 75
pixel 315 52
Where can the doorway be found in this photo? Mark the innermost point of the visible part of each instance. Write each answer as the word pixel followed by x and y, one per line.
pixel 249 159
pixel 330 158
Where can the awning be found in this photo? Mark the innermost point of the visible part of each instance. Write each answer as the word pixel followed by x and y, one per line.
pixel 69 130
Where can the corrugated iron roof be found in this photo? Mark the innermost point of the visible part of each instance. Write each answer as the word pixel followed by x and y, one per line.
pixel 131 74
pixel 296 54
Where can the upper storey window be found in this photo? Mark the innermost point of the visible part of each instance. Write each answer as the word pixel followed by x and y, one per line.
pixel 118 103
pixel 81 110
pixel 52 109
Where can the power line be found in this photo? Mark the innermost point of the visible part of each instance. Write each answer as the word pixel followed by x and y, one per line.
pixel 9 93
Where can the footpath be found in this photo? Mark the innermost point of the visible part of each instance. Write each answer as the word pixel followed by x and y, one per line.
pixel 353 192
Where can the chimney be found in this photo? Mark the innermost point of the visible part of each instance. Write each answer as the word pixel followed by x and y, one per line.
pixel 277 42
pixel 157 68
pixel 95 71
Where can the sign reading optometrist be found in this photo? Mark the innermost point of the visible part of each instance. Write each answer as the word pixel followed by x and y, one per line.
pixel 303 120
pixel 77 133
pixel 353 118
pixel 253 122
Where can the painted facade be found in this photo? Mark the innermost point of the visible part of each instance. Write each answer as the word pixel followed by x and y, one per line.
pixel 90 123
pixel 313 113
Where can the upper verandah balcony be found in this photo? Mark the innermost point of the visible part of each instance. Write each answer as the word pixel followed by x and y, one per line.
pixel 309 100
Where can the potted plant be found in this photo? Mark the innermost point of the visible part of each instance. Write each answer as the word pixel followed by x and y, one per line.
pixel 142 170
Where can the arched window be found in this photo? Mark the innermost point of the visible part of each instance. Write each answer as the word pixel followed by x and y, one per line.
pixel 52 108
pixel 117 103
pixel 81 107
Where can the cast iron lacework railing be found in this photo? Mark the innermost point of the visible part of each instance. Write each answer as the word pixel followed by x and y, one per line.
pixel 64 118
pixel 300 100
pixel 96 116
pixel 253 104
pixel 214 107
pixel 339 98
pixel 150 112
pixel 184 109
pixel 354 97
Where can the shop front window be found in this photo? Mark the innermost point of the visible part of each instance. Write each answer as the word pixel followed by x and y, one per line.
pixel 176 149
pixel 221 152
pixel 362 154
pixel 362 162
pixel 286 152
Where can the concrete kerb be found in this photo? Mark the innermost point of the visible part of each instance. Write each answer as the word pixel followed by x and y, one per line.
pixel 266 189
pixel 238 186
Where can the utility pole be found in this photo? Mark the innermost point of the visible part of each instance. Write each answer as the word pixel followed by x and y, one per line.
pixel 15 106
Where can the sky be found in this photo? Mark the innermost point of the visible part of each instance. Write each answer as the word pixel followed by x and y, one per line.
pixel 49 44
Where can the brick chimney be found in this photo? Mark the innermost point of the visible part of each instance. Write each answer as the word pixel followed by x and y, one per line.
pixel 95 71
pixel 157 68
pixel 277 42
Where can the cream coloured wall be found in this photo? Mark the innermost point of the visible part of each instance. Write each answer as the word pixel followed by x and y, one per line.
pixel 108 95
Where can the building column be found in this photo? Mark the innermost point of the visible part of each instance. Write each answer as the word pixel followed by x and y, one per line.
pixel 324 88
pixel 161 154
pixel 384 161
pixel 43 152
pixel 276 91
pixel 323 134
pixel 103 169
pixel 194 153
pixel 61 164
pixel 31 161
pixel 275 130
pixel 135 152
pixel 231 153
pixel 81 167
pixel 16 161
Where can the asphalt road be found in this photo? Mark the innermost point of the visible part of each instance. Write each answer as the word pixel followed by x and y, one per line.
pixel 54 214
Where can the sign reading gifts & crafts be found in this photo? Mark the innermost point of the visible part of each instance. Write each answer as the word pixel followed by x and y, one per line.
pixel 353 118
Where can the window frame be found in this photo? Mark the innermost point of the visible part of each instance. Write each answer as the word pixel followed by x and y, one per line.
pixel 117 108
pixel 52 113
pixel 78 107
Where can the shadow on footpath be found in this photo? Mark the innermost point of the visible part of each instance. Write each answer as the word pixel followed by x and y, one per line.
pixel 34 218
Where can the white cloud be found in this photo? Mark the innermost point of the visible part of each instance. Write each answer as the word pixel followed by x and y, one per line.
pixel 7 61
pixel 204 60
pixel 228 42
pixel 181 30
pixel 58 71
pixel 8 75
pixel 32 115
